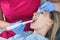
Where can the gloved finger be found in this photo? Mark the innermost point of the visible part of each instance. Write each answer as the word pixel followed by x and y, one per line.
pixel 51 7
pixel 43 7
pixel 19 29
pixel 41 10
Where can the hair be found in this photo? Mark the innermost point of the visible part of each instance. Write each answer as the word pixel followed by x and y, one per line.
pixel 55 16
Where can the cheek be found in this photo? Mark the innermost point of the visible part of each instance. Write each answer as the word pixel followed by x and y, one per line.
pixel 50 22
pixel 38 25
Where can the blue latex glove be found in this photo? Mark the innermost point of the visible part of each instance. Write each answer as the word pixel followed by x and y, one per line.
pixel 47 6
pixel 19 29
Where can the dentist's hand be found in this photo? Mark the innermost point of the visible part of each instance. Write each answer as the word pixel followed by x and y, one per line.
pixel 20 28
pixel 47 6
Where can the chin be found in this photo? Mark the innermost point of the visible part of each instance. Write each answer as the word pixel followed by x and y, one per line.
pixel 31 27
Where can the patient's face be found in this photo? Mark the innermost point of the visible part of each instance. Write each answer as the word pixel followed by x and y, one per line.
pixel 54 0
pixel 43 20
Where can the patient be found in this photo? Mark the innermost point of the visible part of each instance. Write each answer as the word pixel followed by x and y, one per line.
pixel 45 21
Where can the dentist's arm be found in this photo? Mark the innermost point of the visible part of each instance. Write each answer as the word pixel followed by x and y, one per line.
pixel 3 24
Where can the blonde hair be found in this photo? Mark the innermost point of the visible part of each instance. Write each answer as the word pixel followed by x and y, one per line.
pixel 52 32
